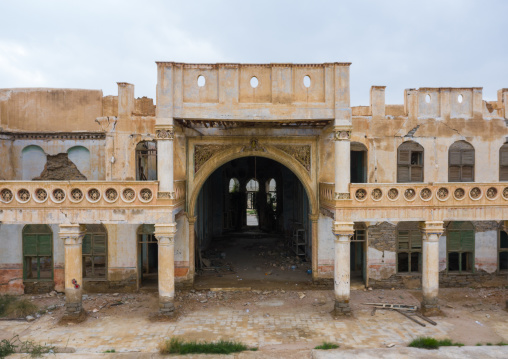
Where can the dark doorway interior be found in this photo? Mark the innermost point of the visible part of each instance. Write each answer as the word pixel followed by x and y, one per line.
pixel 252 226
pixel 148 257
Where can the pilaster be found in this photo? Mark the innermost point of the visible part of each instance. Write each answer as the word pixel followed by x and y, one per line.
pixel 342 138
pixel 165 234
pixel 431 231
pixel 165 135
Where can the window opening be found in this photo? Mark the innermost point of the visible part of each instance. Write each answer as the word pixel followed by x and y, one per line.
pixel 37 253
pixel 461 160
pixel 146 161
pixel 410 162
pixel 460 247
pixel 252 192
pixel 271 194
pixel 503 250
pixel 94 252
pixel 409 251
pixel 503 162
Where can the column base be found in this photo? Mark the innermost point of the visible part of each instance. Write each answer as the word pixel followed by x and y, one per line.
pixel 342 308
pixel 166 308
pixel 430 308
pixel 74 313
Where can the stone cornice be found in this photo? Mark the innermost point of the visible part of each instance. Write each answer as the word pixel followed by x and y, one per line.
pixel 55 135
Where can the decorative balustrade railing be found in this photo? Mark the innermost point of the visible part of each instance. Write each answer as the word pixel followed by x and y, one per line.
pixel 77 194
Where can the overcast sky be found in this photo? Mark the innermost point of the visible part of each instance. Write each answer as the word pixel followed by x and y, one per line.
pixel 399 44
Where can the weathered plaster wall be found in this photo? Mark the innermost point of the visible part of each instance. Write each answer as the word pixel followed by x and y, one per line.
pixel 11 259
pixel 35 110
pixel 326 247
pixel 122 255
pixel 181 247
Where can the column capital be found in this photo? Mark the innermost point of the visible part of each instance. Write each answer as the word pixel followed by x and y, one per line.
pixel 432 230
pixel 72 233
pixel 342 133
pixel 191 219
pixel 164 132
pixel 343 231
pixel 165 233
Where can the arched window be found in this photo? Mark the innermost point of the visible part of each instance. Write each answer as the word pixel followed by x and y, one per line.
pixel 37 253
pixel 33 162
pixel 460 247
pixel 461 162
pixel 410 162
pixel 146 161
pixel 252 188
pixel 234 185
pixel 80 156
pixel 409 247
pixel 95 255
pixel 503 162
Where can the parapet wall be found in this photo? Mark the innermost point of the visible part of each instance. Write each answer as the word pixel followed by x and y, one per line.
pixel 438 103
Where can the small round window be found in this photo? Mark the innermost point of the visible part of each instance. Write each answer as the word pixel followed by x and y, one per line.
pixel 254 82
pixel 306 81
pixel 201 81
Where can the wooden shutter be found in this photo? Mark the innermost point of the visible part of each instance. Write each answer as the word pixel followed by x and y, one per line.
pixel 454 174
pixel 403 174
pixel 403 239
pixel 453 241
pixel 404 157
pixel 503 156
pixel 454 158
pixel 99 244
pixel 468 157
pixel 467 174
pixel 503 173
pixel 467 241
pixel 87 244
pixel 416 174
pixel 416 240
pixel 44 245
pixel 30 245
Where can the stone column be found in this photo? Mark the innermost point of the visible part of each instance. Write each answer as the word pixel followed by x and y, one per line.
pixel 314 223
pixel 192 247
pixel 165 234
pixel 342 136
pixel 72 235
pixel 165 135
pixel 343 232
pixel 431 231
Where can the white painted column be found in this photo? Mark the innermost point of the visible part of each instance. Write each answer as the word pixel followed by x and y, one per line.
pixel 342 161
pixel 343 232
pixel 165 234
pixel 72 235
pixel 431 231
pixel 165 136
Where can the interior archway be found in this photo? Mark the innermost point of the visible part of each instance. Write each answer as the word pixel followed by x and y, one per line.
pixel 232 250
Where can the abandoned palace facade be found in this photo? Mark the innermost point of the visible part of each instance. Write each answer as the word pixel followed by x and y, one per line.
pixel 97 192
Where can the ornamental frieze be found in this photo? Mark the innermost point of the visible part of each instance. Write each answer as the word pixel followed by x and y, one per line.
pixel 301 153
pixel 203 153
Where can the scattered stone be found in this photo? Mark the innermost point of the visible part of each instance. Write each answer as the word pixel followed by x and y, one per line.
pixel 51 307
pixel 301 295
pixel 203 301
pixel 53 293
pixel 370 288
pixel 391 345
pixel 95 310
pixel 29 318
pixel 116 294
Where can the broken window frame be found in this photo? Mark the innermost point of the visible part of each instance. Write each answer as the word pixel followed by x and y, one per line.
pixel 412 169
pixel 414 235
pixel 39 233
pixel 94 255
pixel 461 155
pixel 148 155
pixel 501 250
pixel 503 162
pixel 462 228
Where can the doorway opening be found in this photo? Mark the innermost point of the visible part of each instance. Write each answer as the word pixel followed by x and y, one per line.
pixel 358 257
pixel 148 257
pixel 358 163
pixel 253 227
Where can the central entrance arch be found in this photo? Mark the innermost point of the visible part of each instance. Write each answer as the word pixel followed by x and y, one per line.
pixel 253 225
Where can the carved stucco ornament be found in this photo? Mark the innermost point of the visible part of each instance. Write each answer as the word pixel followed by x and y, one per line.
pixel 340 135
pixel 166 195
pixel 253 146
pixel 299 153
pixel 203 153
pixel 165 133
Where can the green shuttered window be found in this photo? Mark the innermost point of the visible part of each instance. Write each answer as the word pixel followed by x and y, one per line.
pixel 460 247
pixel 94 255
pixel 409 250
pixel 37 253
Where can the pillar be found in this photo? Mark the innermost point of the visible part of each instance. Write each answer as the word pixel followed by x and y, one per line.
pixel 165 136
pixel 377 102
pixel 192 247
pixel 165 234
pixel 342 138
pixel 343 232
pixel 314 228
pixel 72 235
pixel 431 231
